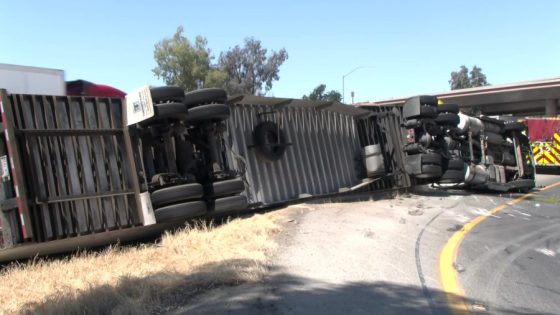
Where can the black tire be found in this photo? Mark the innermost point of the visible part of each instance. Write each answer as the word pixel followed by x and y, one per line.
pixel 514 126
pixel 447 119
pixel 428 100
pixel 208 113
pixel 228 204
pixel 493 138
pixel 224 188
pixel 165 112
pixel 456 164
pixel 181 211
pixel 430 171
pixel 413 148
pixel 448 108
pixel 269 140
pixel 493 128
pixel 427 111
pixel 205 96
pixel 453 176
pixel 508 159
pixel 411 123
pixel 174 194
pixel 430 159
pixel 167 94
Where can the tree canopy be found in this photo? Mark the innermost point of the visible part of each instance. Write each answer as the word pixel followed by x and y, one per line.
pixel 463 79
pixel 249 69
pixel 318 94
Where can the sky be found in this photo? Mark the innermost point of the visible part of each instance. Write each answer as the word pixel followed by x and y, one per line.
pixel 401 48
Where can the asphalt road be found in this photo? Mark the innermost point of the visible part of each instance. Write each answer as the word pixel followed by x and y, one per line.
pixel 383 257
pixel 512 260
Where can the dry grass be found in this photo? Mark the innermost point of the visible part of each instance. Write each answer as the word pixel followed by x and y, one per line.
pixel 133 280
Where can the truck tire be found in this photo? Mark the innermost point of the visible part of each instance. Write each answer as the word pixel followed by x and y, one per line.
pixel 493 138
pixel 428 100
pixel 165 112
pixel 205 96
pixel 493 128
pixel 228 204
pixel 208 113
pixel 428 111
pixel 430 171
pixel 448 108
pixel 181 211
pixel 447 119
pixel 430 159
pixel 174 194
pixel 456 164
pixel 514 126
pixel 224 188
pixel 269 140
pixel 164 94
pixel 452 176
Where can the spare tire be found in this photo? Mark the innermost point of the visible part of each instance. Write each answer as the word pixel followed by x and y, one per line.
pixel 167 94
pixel 174 194
pixel 205 96
pixel 224 188
pixel 448 108
pixel 269 140
pixel 181 211
pixel 208 113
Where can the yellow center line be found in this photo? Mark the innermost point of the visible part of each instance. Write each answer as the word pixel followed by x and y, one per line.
pixel 449 278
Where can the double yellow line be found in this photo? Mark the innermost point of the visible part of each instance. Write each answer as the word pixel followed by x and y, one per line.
pixel 449 278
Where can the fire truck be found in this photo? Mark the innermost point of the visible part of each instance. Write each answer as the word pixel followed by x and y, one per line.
pixel 544 134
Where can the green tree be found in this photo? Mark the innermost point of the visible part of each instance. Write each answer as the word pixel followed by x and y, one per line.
pixel 249 69
pixel 185 64
pixel 318 94
pixel 462 79
pixel 477 77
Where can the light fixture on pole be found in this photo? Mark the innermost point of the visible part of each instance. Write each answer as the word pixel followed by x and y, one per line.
pixel 349 73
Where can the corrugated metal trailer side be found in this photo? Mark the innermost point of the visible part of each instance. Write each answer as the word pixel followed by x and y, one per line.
pixel 389 120
pixel 324 147
pixel 69 168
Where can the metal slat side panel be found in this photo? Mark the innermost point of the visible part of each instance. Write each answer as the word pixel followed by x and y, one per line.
pixel 320 159
pixel 76 151
pixel 390 124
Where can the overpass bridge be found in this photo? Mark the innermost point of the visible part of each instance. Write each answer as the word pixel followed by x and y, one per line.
pixel 532 98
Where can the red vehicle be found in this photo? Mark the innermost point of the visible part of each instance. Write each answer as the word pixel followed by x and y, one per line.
pixel 544 134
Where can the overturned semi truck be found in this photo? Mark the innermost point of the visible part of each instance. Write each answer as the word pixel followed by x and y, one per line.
pixel 448 147
pixel 85 171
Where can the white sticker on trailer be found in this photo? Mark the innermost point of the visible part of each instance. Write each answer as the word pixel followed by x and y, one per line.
pixel 139 105
pixel 147 209
pixel 5 168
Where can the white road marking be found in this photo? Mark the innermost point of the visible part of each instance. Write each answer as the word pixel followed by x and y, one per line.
pixel 523 213
pixel 546 251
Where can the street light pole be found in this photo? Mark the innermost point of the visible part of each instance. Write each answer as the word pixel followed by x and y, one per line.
pixel 349 73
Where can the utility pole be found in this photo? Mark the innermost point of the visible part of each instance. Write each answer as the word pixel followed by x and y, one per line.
pixel 349 73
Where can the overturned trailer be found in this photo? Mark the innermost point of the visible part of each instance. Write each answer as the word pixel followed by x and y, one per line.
pixel 79 172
